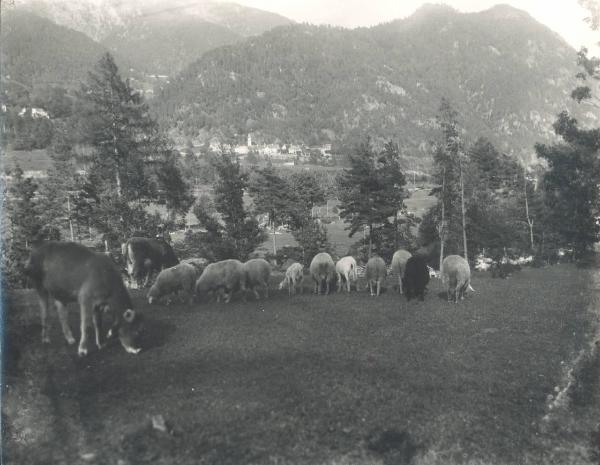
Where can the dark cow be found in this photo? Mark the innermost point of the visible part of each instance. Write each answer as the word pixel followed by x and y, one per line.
pixel 144 256
pixel 416 277
pixel 65 272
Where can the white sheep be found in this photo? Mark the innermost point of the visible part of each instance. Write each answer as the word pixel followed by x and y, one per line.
pixel 375 272
pixel 456 276
pixel 346 268
pixel 222 278
pixel 322 269
pixel 172 280
pixel 399 260
pixel 258 272
pixel 294 275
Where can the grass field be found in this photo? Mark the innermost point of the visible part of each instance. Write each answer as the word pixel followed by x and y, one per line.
pixel 340 379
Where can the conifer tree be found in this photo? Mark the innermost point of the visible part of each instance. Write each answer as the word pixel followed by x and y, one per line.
pixel 571 183
pixel 130 163
pixel 372 191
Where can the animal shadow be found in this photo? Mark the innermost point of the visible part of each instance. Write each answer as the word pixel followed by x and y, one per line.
pixel 155 333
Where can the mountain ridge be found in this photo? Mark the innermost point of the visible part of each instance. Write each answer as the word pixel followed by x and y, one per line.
pixel 506 74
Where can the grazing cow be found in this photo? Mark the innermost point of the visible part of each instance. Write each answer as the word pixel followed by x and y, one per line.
pixel 145 256
pixel 64 272
pixel 223 278
pixel 258 272
pixel 322 270
pixel 346 269
pixel 375 272
pixel 180 277
pixel 399 265
pixel 294 275
pixel 416 277
pixel 198 263
pixel 456 276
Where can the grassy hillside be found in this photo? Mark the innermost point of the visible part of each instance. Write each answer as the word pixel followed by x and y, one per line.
pixel 313 379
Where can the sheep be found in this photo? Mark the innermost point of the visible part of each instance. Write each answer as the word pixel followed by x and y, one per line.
pixel 322 269
pixel 223 278
pixel 346 268
pixel 375 272
pixel 294 276
pixel 257 272
pixel 433 273
pixel 198 263
pixel 399 260
pixel 171 280
pixel 456 276
pixel 416 277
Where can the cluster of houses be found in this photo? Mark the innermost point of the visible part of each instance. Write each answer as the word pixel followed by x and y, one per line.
pixel 289 154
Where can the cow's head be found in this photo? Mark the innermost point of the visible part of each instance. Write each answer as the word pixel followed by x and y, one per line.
pixel 128 328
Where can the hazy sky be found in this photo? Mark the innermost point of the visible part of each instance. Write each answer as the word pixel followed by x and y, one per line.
pixel 562 16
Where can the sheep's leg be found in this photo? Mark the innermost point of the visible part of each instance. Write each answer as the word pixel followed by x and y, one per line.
pixel 317 286
pixel 327 286
pixel 256 294
pixel 339 282
pixel 371 287
pixel 378 286
pixel 266 290
pixel 400 283
pixel 348 282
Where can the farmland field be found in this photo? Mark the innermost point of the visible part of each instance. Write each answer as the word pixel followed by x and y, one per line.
pixel 340 379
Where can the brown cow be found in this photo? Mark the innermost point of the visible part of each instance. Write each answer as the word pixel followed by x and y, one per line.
pixel 65 272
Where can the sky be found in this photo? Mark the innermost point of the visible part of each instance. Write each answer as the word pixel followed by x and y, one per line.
pixel 562 16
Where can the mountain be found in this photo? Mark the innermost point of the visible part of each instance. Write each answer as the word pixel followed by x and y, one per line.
pixel 506 75
pixel 153 46
pixel 157 36
pixel 36 52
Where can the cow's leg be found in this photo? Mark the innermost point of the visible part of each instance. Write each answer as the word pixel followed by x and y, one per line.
pixel 86 311
pixel 97 322
pixel 147 278
pixel 44 302
pixel 63 317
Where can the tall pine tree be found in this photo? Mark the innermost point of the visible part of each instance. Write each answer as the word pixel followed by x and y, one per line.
pixel 130 162
pixel 372 191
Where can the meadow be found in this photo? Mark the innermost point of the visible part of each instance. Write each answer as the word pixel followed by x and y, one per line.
pixel 339 379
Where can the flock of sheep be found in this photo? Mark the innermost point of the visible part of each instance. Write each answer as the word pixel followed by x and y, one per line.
pixel 222 279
